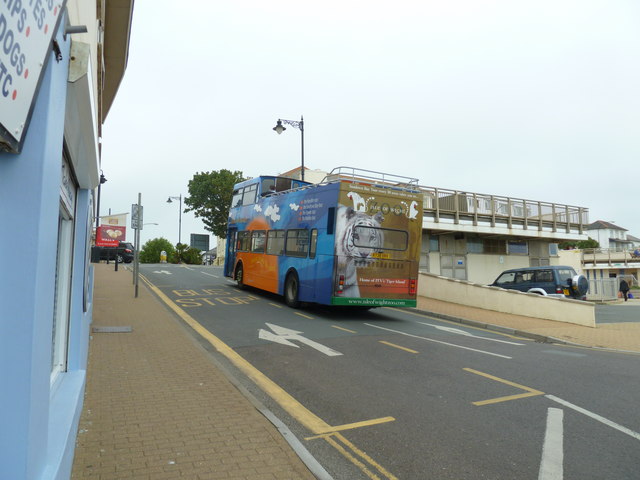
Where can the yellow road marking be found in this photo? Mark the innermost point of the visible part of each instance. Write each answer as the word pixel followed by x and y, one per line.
pixel 275 305
pixel 365 423
pixel 398 346
pixel 303 415
pixel 531 392
pixel 345 329
pixel 303 315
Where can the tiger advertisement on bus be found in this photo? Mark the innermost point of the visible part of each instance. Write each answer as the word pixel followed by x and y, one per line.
pixel 341 242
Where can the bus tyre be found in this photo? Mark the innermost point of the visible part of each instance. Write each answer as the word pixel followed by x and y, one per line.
pixel 291 287
pixel 240 276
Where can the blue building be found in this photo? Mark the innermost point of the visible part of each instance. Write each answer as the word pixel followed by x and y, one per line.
pixel 60 66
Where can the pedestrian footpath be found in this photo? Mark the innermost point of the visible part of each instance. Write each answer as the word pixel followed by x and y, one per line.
pixel 156 406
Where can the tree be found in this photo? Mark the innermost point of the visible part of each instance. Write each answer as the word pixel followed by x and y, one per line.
pixel 210 197
pixel 150 252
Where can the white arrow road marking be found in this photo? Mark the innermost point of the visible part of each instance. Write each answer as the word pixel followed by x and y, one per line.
pixel 284 335
pixel 162 271
pixel 437 341
pixel 551 466
pixel 467 334
pixel 595 416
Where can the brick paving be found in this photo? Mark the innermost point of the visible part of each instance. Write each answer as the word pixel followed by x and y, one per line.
pixel 156 407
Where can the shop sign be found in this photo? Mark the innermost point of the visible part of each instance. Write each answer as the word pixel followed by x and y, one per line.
pixel 26 29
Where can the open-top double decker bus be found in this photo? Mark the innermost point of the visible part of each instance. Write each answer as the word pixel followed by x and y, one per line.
pixel 353 239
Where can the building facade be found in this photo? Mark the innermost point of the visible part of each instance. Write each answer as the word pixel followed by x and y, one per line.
pixel 61 65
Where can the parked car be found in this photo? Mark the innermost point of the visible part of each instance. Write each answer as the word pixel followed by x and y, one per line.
pixel 124 252
pixel 553 281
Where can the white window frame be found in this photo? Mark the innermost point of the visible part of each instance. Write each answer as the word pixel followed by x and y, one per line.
pixel 62 301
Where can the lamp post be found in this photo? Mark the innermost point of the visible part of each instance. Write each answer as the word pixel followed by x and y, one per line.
pixel 279 128
pixel 169 200
pixel 102 180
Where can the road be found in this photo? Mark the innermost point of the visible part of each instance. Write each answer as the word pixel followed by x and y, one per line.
pixel 393 393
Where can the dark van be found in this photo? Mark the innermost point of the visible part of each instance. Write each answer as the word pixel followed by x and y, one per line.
pixel 553 281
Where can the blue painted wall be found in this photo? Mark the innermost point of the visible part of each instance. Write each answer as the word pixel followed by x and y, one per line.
pixel 39 421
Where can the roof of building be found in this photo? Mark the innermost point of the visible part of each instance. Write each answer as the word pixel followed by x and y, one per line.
pixel 601 224
pixel 632 238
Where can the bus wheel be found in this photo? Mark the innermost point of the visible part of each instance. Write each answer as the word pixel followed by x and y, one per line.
pixel 291 291
pixel 240 276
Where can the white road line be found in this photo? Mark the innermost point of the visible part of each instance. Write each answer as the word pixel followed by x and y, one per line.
pixel 458 331
pixel 205 273
pixel 551 465
pixel 595 416
pixel 438 341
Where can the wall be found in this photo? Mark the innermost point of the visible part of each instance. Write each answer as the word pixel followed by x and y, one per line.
pixel 39 415
pixel 506 301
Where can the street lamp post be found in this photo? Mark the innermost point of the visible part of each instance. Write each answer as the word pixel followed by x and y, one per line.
pixel 279 128
pixel 102 180
pixel 169 200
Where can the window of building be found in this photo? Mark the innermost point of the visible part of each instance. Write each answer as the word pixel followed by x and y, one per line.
pixel 62 299
pixel 494 246
pixel 434 243
pixel 518 247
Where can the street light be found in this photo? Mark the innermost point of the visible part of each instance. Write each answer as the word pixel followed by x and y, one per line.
pixel 169 200
pixel 279 128
pixel 102 180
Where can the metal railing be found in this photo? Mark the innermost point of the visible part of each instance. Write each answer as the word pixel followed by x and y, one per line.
pixel 441 203
pixel 609 256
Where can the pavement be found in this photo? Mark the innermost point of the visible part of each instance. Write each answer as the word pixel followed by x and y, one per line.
pixel 158 406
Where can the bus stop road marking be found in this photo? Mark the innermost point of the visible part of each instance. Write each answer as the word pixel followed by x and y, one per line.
pixel 398 346
pixel 530 391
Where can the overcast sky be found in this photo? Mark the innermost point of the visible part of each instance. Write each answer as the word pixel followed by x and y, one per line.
pixel 528 99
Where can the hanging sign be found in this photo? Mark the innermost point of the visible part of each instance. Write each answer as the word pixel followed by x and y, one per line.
pixel 26 29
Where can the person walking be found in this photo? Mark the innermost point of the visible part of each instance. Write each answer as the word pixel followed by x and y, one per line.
pixel 624 288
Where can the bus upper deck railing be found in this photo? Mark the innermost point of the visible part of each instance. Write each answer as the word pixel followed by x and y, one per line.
pixel 361 175
pixel 455 206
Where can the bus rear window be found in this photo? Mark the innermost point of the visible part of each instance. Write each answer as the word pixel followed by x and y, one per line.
pixel 297 244
pixel 380 238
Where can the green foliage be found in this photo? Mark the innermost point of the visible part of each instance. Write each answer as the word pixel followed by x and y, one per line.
pixel 183 253
pixel 581 244
pixel 150 252
pixel 210 197
pixel 590 243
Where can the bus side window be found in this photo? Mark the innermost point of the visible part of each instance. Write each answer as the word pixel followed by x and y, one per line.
pixel 297 244
pixel 314 243
pixel 331 219
pixel 275 242
pixel 257 241
pixel 244 241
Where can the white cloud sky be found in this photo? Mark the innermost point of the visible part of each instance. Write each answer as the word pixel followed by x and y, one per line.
pixel 528 99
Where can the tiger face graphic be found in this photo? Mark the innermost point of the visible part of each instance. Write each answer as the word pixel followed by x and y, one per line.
pixel 358 237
